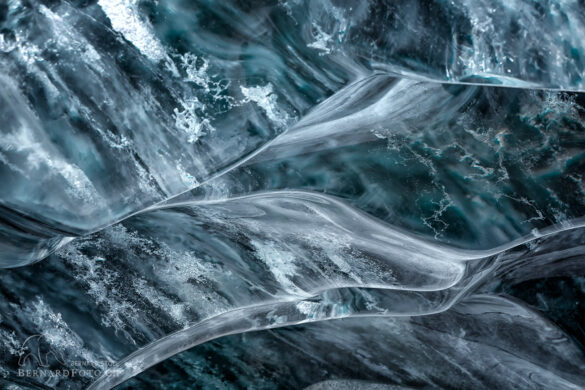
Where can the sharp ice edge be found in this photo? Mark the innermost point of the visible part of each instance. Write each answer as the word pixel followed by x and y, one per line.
pixel 488 80
pixel 317 125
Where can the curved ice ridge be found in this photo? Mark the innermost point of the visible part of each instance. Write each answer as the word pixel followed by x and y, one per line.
pixel 356 114
pixel 341 300
pixel 310 255
pixel 432 351
pixel 440 160
pixel 360 86
pixel 70 123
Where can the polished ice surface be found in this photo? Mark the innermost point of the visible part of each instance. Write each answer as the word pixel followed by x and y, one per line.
pixel 334 194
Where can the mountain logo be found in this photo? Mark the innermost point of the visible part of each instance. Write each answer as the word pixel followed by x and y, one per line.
pixel 38 348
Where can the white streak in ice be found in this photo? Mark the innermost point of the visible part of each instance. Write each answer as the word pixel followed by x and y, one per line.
pixel 125 19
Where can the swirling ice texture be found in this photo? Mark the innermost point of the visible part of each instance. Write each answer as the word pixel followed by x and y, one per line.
pixel 115 107
pixel 379 301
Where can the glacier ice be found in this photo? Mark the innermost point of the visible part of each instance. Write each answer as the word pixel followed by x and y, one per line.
pixel 378 194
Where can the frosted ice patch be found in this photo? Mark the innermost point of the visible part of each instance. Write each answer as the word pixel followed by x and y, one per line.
pixel 187 121
pixel 196 70
pixel 336 25
pixel 6 44
pixel 308 308
pixel 281 264
pixel 125 19
pixel 37 157
pixel 266 99
pixel 187 179
pixel 9 342
pixel 56 331
pixel 157 299
pixel 322 40
pixel 101 285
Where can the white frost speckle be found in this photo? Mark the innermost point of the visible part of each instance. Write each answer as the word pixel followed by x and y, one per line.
pixel 194 73
pixel 188 121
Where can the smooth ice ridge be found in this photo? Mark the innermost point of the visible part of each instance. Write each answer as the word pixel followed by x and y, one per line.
pixel 413 277
pixel 400 352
